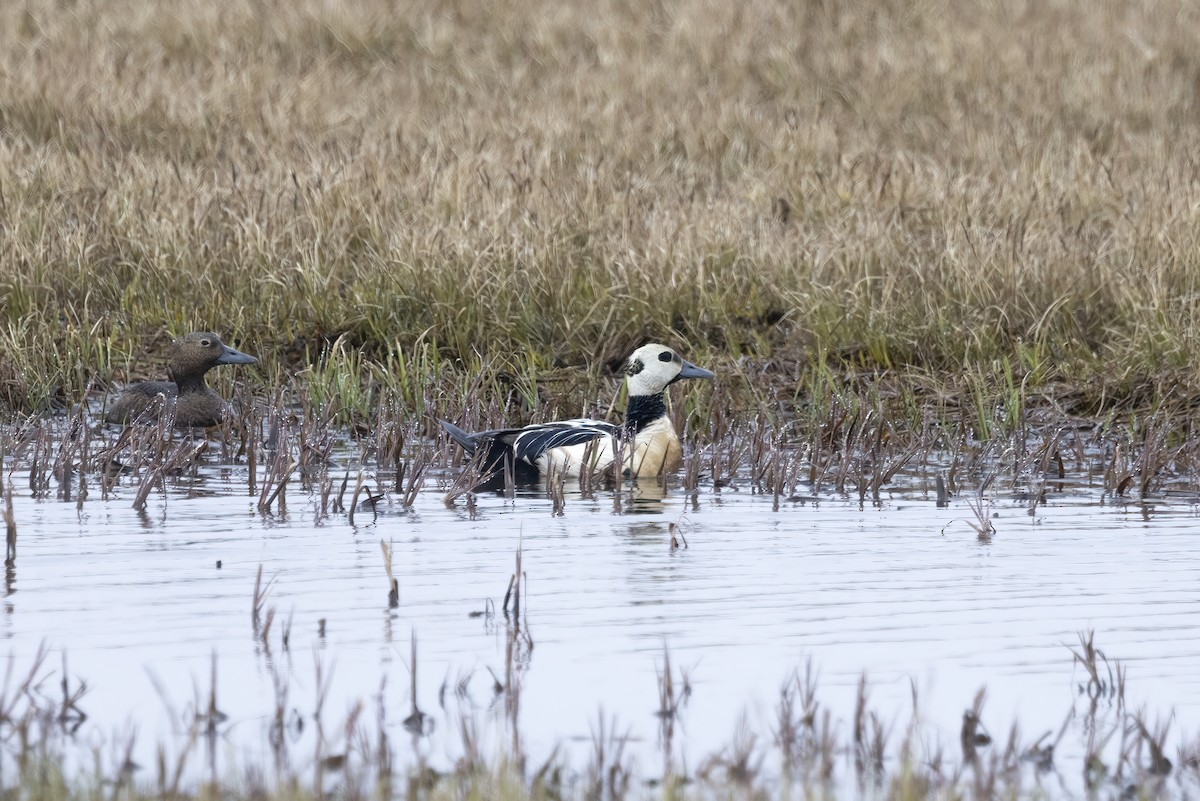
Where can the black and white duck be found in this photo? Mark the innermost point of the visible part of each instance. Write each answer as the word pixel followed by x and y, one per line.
pixel 647 439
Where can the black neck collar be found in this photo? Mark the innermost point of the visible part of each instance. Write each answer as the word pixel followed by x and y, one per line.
pixel 644 410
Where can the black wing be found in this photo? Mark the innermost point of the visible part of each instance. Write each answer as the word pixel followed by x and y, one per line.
pixel 532 441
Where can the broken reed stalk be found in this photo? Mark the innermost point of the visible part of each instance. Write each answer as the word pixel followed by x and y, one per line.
pixel 323 505
pixel 400 468
pixel 64 463
pixel 316 447
pixel 1155 741
pixel 278 729
pixel 691 473
pixel 108 465
pixel 471 476
pixel 35 468
pixel 264 632
pixel 84 456
pixel 513 646
pixel 587 470
pixel 261 591
pixel 339 505
pixel 213 715
pixel 415 722
pixel 275 481
pixel 393 584
pixel 285 636
pixel 10 528
pixel 622 447
pixel 510 476
pixel 773 475
pixel 185 452
pixel 668 704
pixel 608 773
pixel 10 519
pixel 556 490
pixel 982 524
pixel 147 484
pixel 391 438
pixel 666 717
pixel 252 429
pixel 1099 685
pixel 859 730
pixel 514 589
pixel 887 468
pixel 973 735
pixel 413 474
pixel 278 493
pixel 70 714
pixel 358 486
pixel 673 694
pixel 25 688
pixel 676 531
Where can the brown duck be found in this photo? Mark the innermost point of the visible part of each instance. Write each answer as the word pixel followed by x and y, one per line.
pixel 194 402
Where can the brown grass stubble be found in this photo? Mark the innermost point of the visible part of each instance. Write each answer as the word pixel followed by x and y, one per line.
pixel 933 188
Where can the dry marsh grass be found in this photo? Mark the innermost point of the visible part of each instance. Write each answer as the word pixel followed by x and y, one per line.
pixel 930 188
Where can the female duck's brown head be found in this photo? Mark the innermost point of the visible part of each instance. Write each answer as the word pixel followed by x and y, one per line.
pixel 200 351
pixel 194 403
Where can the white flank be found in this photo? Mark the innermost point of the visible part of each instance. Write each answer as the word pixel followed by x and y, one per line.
pixel 655 451
pixel 567 461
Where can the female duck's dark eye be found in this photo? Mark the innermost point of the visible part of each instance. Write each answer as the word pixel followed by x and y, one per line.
pixel 204 343
pixel 666 356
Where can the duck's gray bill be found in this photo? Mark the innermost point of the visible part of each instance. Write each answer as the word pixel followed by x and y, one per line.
pixel 231 356
pixel 692 371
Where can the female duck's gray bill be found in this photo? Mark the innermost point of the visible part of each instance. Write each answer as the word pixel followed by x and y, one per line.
pixel 231 356
pixel 692 371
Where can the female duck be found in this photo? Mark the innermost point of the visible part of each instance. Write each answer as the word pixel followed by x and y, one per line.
pixel 647 439
pixel 195 404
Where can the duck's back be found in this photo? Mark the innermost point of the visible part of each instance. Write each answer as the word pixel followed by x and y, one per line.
pixel 534 442
pixel 131 403
pixel 198 408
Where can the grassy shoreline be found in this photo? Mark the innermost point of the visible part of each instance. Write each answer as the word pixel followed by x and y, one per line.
pixel 926 189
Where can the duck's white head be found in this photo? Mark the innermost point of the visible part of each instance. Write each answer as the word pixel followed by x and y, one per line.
pixel 651 368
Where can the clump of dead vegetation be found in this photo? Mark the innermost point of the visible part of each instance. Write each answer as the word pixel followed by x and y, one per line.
pixel 856 437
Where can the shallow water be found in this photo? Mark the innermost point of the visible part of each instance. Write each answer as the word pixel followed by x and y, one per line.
pixel 902 590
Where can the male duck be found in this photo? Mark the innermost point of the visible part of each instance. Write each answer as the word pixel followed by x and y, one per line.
pixel 196 404
pixel 652 446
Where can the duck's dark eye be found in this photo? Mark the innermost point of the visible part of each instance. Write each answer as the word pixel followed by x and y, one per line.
pixel 666 356
pixel 206 343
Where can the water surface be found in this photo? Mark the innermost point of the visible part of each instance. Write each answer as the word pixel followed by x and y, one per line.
pixel 902 590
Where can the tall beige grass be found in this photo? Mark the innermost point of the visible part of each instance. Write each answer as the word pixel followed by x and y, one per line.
pixel 932 186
